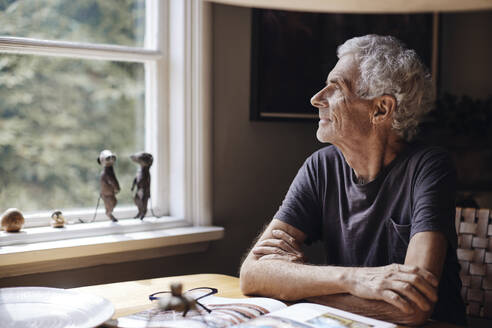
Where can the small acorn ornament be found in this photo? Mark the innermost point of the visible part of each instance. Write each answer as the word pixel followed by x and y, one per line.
pixel 12 220
pixel 57 219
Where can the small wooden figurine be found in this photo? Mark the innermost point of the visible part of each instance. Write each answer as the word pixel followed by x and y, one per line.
pixel 142 181
pixel 57 219
pixel 109 184
pixel 12 220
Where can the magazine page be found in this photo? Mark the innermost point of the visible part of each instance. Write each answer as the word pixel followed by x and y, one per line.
pixel 225 312
pixel 308 315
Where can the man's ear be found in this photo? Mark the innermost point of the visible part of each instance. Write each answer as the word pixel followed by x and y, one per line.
pixel 383 108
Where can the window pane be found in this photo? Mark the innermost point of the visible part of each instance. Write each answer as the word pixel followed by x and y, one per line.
pixel 56 115
pixel 120 22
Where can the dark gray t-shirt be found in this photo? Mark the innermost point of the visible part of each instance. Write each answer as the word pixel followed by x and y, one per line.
pixel 371 224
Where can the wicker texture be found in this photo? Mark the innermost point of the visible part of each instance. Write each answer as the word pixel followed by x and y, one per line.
pixel 474 228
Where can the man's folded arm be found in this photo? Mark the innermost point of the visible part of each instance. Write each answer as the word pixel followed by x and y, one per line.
pixel 426 250
pixel 273 269
pixel 399 293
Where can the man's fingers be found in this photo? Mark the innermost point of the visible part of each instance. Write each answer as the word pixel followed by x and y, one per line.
pixel 427 275
pixel 396 300
pixel 274 253
pixel 280 244
pixel 266 250
pixel 285 237
pixel 410 292
pixel 420 284
pixel 269 252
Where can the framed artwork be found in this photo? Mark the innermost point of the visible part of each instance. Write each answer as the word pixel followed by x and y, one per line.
pixel 292 53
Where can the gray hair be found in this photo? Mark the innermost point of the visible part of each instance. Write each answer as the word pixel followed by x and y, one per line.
pixel 387 67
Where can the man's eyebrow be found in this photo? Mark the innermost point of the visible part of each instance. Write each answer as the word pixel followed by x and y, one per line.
pixel 336 80
pixel 331 80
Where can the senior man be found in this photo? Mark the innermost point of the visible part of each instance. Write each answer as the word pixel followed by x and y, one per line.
pixel 382 205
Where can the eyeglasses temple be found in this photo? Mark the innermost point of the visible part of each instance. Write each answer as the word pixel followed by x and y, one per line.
pixel 204 307
pixel 212 292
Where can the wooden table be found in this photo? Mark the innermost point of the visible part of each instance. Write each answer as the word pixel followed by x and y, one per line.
pixel 132 296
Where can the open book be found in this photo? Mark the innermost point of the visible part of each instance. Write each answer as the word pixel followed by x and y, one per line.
pixel 249 312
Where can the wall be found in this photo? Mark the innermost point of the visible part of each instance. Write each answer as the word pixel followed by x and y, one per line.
pixel 254 162
pixel 466 52
pixel 465 69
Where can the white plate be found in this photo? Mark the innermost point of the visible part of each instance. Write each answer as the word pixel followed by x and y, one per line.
pixel 22 307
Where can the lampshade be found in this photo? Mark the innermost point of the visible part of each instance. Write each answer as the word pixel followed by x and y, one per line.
pixel 365 6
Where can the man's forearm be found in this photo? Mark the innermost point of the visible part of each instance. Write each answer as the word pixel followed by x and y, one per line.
pixel 372 308
pixel 290 281
pixel 406 289
pixel 320 284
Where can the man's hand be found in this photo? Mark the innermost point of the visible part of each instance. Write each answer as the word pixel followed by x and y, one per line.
pixel 281 247
pixel 396 284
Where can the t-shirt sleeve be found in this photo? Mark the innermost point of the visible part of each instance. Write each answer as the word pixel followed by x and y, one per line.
pixel 434 196
pixel 301 207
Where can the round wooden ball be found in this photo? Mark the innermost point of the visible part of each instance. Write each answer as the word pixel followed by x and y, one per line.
pixel 12 220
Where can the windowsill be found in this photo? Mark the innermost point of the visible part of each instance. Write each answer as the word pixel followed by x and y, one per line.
pixel 80 230
pixel 118 246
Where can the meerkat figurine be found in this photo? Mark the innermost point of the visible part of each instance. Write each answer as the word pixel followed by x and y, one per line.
pixel 142 181
pixel 177 301
pixel 109 184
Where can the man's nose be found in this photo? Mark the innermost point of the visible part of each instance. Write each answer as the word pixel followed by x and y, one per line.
pixel 319 100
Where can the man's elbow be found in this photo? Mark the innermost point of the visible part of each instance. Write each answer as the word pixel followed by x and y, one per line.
pixel 255 281
pixel 418 318
pixel 246 279
pixel 246 287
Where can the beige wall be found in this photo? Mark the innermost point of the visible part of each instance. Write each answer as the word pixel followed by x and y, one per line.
pixel 254 162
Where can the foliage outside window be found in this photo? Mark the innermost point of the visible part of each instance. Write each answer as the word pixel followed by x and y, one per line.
pixel 119 22
pixel 57 114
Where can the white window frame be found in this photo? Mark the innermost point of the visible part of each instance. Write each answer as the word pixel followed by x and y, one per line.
pixel 178 134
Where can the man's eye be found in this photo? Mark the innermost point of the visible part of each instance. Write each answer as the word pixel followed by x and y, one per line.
pixel 334 84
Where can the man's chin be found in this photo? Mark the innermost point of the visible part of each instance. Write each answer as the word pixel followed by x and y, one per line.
pixel 323 136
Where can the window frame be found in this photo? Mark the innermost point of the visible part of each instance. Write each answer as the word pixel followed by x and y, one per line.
pixel 177 59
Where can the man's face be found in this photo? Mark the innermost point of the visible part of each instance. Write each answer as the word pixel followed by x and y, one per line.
pixel 344 117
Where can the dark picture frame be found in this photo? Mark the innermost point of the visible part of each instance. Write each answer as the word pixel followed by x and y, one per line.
pixel 293 52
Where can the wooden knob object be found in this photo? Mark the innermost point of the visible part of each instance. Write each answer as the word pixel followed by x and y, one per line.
pixel 12 220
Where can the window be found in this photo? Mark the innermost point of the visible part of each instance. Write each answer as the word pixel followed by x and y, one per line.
pixel 77 77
